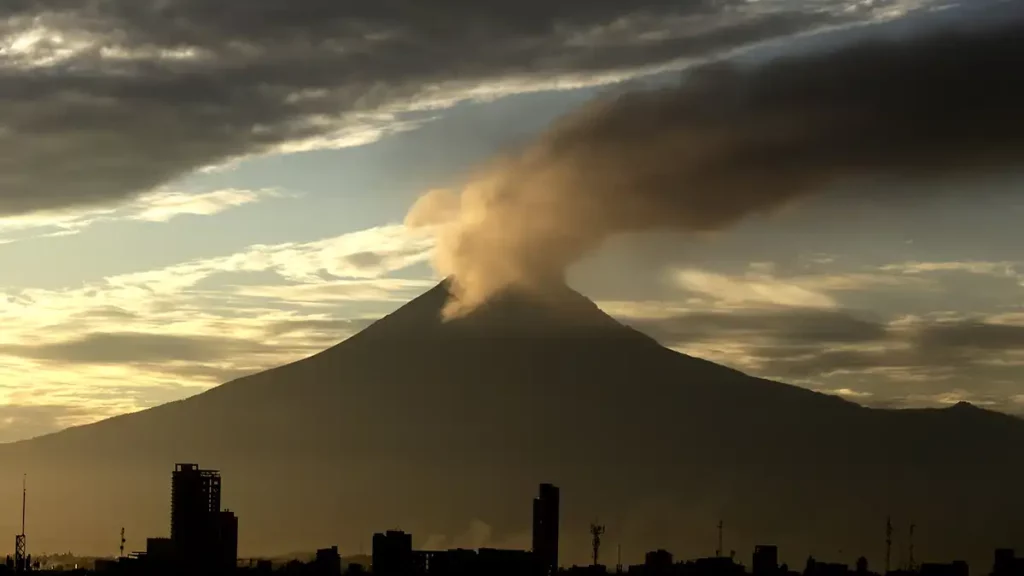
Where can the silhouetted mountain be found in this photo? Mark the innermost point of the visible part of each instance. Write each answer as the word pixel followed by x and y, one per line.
pixel 444 429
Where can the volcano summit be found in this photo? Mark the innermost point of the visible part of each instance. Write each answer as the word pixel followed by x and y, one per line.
pixel 445 428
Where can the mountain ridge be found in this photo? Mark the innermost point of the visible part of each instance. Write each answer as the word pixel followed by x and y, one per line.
pixel 436 425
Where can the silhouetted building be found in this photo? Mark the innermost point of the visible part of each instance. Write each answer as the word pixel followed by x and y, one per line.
pixel 495 562
pixel 658 559
pixel 455 562
pixel 105 566
pixel 227 538
pixel 1006 563
pixel 195 505
pixel 201 534
pixel 715 566
pixel 392 553
pixel 815 568
pixel 327 561
pixel 545 529
pixel 463 562
pixel 957 568
pixel 765 561
pixel 160 550
pixel 658 563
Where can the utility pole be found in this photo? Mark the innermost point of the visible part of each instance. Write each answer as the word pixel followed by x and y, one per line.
pixel 910 546
pixel 888 543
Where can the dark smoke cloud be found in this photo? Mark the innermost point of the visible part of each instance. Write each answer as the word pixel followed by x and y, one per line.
pixel 732 141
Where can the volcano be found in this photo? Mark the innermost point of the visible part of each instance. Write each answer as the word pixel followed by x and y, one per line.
pixel 445 428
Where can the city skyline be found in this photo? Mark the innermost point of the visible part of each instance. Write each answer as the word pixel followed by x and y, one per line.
pixel 195 511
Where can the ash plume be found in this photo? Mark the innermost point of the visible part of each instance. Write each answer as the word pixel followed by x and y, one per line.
pixel 728 142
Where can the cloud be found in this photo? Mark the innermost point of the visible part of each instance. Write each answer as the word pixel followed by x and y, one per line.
pixel 20 422
pixel 881 359
pixel 133 348
pixel 761 289
pixel 320 327
pixel 1004 269
pixel 160 206
pixel 315 263
pixel 104 100
pixel 972 336
pixel 899 361
pixel 330 293
pixel 789 327
pixel 130 341
pixel 733 141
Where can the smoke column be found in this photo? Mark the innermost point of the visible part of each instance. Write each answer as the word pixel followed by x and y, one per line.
pixel 729 142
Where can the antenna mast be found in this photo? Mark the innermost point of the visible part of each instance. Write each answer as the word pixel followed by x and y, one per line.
pixel 888 542
pixel 910 554
pixel 20 557
pixel 718 551
pixel 121 549
pixel 618 563
pixel 596 531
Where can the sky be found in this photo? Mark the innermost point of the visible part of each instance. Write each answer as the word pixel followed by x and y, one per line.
pixel 194 191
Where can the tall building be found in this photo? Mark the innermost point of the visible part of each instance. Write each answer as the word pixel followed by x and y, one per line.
pixel 766 560
pixel 201 534
pixel 392 553
pixel 327 561
pixel 228 539
pixel 545 529
pixel 658 562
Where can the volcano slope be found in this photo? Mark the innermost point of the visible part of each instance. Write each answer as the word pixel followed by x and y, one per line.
pixel 445 428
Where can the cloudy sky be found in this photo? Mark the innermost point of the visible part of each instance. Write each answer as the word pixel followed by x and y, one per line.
pixel 191 191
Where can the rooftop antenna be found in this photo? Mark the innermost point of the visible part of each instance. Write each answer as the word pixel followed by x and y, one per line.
pixel 910 552
pixel 121 549
pixel 618 562
pixel 718 551
pixel 596 531
pixel 888 542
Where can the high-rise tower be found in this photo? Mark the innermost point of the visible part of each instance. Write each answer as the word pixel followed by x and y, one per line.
pixel 545 529
pixel 195 509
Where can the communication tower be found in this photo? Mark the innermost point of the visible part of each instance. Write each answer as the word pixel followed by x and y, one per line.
pixel 596 531
pixel 20 557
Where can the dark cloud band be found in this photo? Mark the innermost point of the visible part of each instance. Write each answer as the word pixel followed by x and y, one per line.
pixel 104 99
